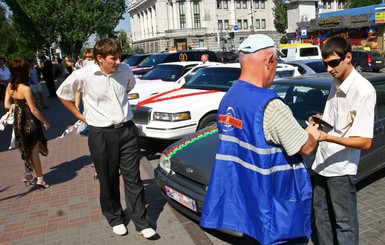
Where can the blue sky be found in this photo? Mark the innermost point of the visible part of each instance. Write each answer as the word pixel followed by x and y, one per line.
pixel 124 23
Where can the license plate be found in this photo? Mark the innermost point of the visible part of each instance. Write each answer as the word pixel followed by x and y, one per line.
pixel 378 61
pixel 182 199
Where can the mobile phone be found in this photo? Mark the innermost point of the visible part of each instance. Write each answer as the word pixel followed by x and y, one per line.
pixel 322 123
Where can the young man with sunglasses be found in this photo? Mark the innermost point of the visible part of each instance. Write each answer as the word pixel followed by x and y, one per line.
pixel 350 110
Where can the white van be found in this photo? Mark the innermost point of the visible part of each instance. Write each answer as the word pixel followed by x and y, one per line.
pixel 300 51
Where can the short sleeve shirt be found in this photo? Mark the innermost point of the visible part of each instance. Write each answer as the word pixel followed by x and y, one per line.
pixel 290 135
pixel 350 109
pixel 104 96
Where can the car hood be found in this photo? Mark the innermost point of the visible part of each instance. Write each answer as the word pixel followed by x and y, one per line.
pixel 175 99
pixel 193 156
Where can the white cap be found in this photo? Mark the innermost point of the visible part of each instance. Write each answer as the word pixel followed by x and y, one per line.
pixel 257 42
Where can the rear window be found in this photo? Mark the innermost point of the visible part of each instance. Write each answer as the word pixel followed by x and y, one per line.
pixel 317 66
pixel 153 60
pixel 305 52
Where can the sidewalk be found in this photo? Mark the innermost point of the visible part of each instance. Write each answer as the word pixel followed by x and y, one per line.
pixel 69 211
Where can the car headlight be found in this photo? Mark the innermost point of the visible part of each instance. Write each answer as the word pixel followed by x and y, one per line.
pixel 165 164
pixel 133 96
pixel 171 117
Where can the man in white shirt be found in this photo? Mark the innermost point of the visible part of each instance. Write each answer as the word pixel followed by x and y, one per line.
pixel 113 137
pixel 350 109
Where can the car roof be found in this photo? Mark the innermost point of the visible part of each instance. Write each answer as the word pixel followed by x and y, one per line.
pixel 324 80
pixel 180 63
pixel 303 61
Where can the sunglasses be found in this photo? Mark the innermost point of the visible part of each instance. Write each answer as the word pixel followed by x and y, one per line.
pixel 333 63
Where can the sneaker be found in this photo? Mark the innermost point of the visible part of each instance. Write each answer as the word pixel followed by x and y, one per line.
pixel 147 233
pixel 119 230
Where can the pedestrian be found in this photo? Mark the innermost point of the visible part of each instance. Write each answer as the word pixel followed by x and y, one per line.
pixel 259 185
pixel 48 77
pixel 113 137
pixel 350 110
pixel 34 83
pixel 5 75
pixel 205 58
pixel 28 122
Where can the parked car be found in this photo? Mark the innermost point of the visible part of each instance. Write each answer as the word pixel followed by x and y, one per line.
pixel 135 59
pixel 185 167
pixel 226 57
pixel 367 60
pixel 164 77
pixel 175 113
pixel 311 66
pixel 300 51
pixel 180 55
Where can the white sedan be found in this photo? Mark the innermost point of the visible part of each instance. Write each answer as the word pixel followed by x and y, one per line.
pixel 178 112
pixel 164 77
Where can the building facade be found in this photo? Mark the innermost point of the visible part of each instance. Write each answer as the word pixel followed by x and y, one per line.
pixel 159 25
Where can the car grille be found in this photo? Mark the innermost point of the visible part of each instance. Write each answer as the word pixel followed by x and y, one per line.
pixel 142 114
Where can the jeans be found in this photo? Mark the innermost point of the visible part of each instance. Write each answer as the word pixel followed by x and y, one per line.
pixel 335 210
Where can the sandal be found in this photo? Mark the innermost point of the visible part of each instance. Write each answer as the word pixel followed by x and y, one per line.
pixel 29 179
pixel 41 183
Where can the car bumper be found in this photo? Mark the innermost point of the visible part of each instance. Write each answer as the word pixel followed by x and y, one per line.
pixel 168 133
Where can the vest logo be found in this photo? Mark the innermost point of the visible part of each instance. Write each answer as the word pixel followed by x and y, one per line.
pixel 229 120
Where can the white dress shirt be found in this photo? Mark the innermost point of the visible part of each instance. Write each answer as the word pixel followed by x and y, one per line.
pixel 104 96
pixel 350 110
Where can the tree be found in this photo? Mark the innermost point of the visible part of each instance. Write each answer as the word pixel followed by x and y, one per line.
pixel 67 23
pixel 361 3
pixel 280 16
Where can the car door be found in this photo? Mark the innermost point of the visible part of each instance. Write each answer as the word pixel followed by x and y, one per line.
pixel 374 158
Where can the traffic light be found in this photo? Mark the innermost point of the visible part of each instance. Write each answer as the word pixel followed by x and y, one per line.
pixel 231 35
pixel 46 52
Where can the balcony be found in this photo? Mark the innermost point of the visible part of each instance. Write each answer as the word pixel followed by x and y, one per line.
pixel 185 32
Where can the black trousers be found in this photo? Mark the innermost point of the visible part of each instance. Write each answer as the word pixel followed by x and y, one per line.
pixel 50 82
pixel 113 150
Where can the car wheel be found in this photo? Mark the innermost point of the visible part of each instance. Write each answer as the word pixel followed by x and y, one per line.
pixel 358 67
pixel 208 121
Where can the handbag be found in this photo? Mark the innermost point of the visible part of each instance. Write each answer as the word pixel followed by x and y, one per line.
pixel 8 118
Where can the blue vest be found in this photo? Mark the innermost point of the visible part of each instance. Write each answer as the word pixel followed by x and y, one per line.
pixel 255 187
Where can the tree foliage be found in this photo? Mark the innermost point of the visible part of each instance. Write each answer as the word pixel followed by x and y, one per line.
pixel 361 3
pixel 280 16
pixel 66 23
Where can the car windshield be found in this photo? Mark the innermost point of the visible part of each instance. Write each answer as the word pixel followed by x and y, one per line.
pixel 218 78
pixel 163 72
pixel 133 60
pixel 304 101
pixel 222 79
pixel 153 60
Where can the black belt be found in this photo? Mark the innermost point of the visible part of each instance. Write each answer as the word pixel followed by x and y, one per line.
pixel 119 125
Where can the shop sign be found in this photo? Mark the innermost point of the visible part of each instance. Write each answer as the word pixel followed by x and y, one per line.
pixel 329 22
pixel 380 17
pixel 360 18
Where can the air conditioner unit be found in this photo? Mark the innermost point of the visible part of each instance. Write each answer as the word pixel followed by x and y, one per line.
pixel 305 18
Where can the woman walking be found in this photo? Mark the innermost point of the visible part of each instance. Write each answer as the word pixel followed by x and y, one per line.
pixel 28 122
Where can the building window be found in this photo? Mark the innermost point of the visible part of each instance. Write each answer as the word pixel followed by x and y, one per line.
pixel 263 4
pixel 257 24
pixel 220 25
pixel 182 15
pixel 245 24
pixel 219 4
pixel 225 4
pixel 244 4
pixel 263 22
pixel 256 4
pixel 226 24
pixel 327 4
pixel 197 18
pixel 201 43
pixel 239 24
pixel 341 4
pixel 238 4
